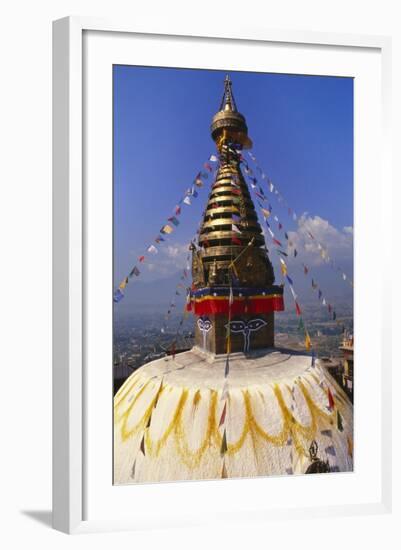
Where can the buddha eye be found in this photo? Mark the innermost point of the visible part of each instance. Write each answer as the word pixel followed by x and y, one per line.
pixel 200 323
pixel 207 325
pixel 237 326
pixel 256 324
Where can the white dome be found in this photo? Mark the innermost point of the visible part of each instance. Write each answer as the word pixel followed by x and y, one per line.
pixel 169 422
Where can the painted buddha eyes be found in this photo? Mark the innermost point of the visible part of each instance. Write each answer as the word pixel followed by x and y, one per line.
pixel 253 324
pixel 237 326
pixel 204 324
pixel 256 324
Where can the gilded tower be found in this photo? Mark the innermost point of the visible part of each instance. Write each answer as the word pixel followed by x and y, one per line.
pixel 233 294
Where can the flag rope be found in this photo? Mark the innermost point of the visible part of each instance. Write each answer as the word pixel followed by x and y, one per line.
pixel 293 215
pixel 166 229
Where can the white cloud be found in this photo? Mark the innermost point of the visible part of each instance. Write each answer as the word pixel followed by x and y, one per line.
pixel 175 250
pixel 329 242
pixel 171 257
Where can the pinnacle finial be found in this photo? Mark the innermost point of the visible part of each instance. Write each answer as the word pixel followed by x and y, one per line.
pixel 228 101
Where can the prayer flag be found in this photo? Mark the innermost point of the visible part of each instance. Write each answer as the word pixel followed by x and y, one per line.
pixel 123 283
pixel 208 167
pixel 293 293
pixel 295 253
pixel 141 258
pixel 166 229
pixel 118 295
pixel 284 270
pixel 271 186
pixel 282 252
pixel 290 280
pixel 152 249
pixel 227 367
pixel 306 270
pixel 177 210
pixel 224 393
pixel 331 399
pixel 187 201
pixel 280 227
pixel 340 422
pixel 298 309
pixel 319 294
pixel 223 415
pixel 174 220
pixel 134 271
pixel 143 445
pixel 286 236
pixel 235 228
pixel 266 213
pixel 276 242
pixel 213 158
pixel 223 449
pixel 235 240
pixel 236 191
pixel 308 342
pixel 301 326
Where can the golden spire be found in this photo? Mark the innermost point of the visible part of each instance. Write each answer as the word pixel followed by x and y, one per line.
pixel 230 227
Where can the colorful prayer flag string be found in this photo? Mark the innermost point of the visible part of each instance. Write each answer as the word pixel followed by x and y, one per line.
pixel 167 229
pixel 292 214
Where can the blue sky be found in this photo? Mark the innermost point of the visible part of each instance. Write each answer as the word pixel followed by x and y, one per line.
pixel 302 130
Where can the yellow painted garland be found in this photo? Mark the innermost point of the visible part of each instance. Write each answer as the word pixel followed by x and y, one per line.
pixel 300 434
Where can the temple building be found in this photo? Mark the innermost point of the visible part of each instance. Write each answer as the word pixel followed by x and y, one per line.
pixel 234 405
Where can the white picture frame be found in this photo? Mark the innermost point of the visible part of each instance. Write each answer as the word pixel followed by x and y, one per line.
pixel 70 257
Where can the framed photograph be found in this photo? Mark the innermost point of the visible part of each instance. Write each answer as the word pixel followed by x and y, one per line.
pixel 218 201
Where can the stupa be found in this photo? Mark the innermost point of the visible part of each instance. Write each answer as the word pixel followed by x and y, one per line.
pixel 234 405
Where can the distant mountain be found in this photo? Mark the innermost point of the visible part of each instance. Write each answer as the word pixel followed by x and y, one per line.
pixel 152 296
